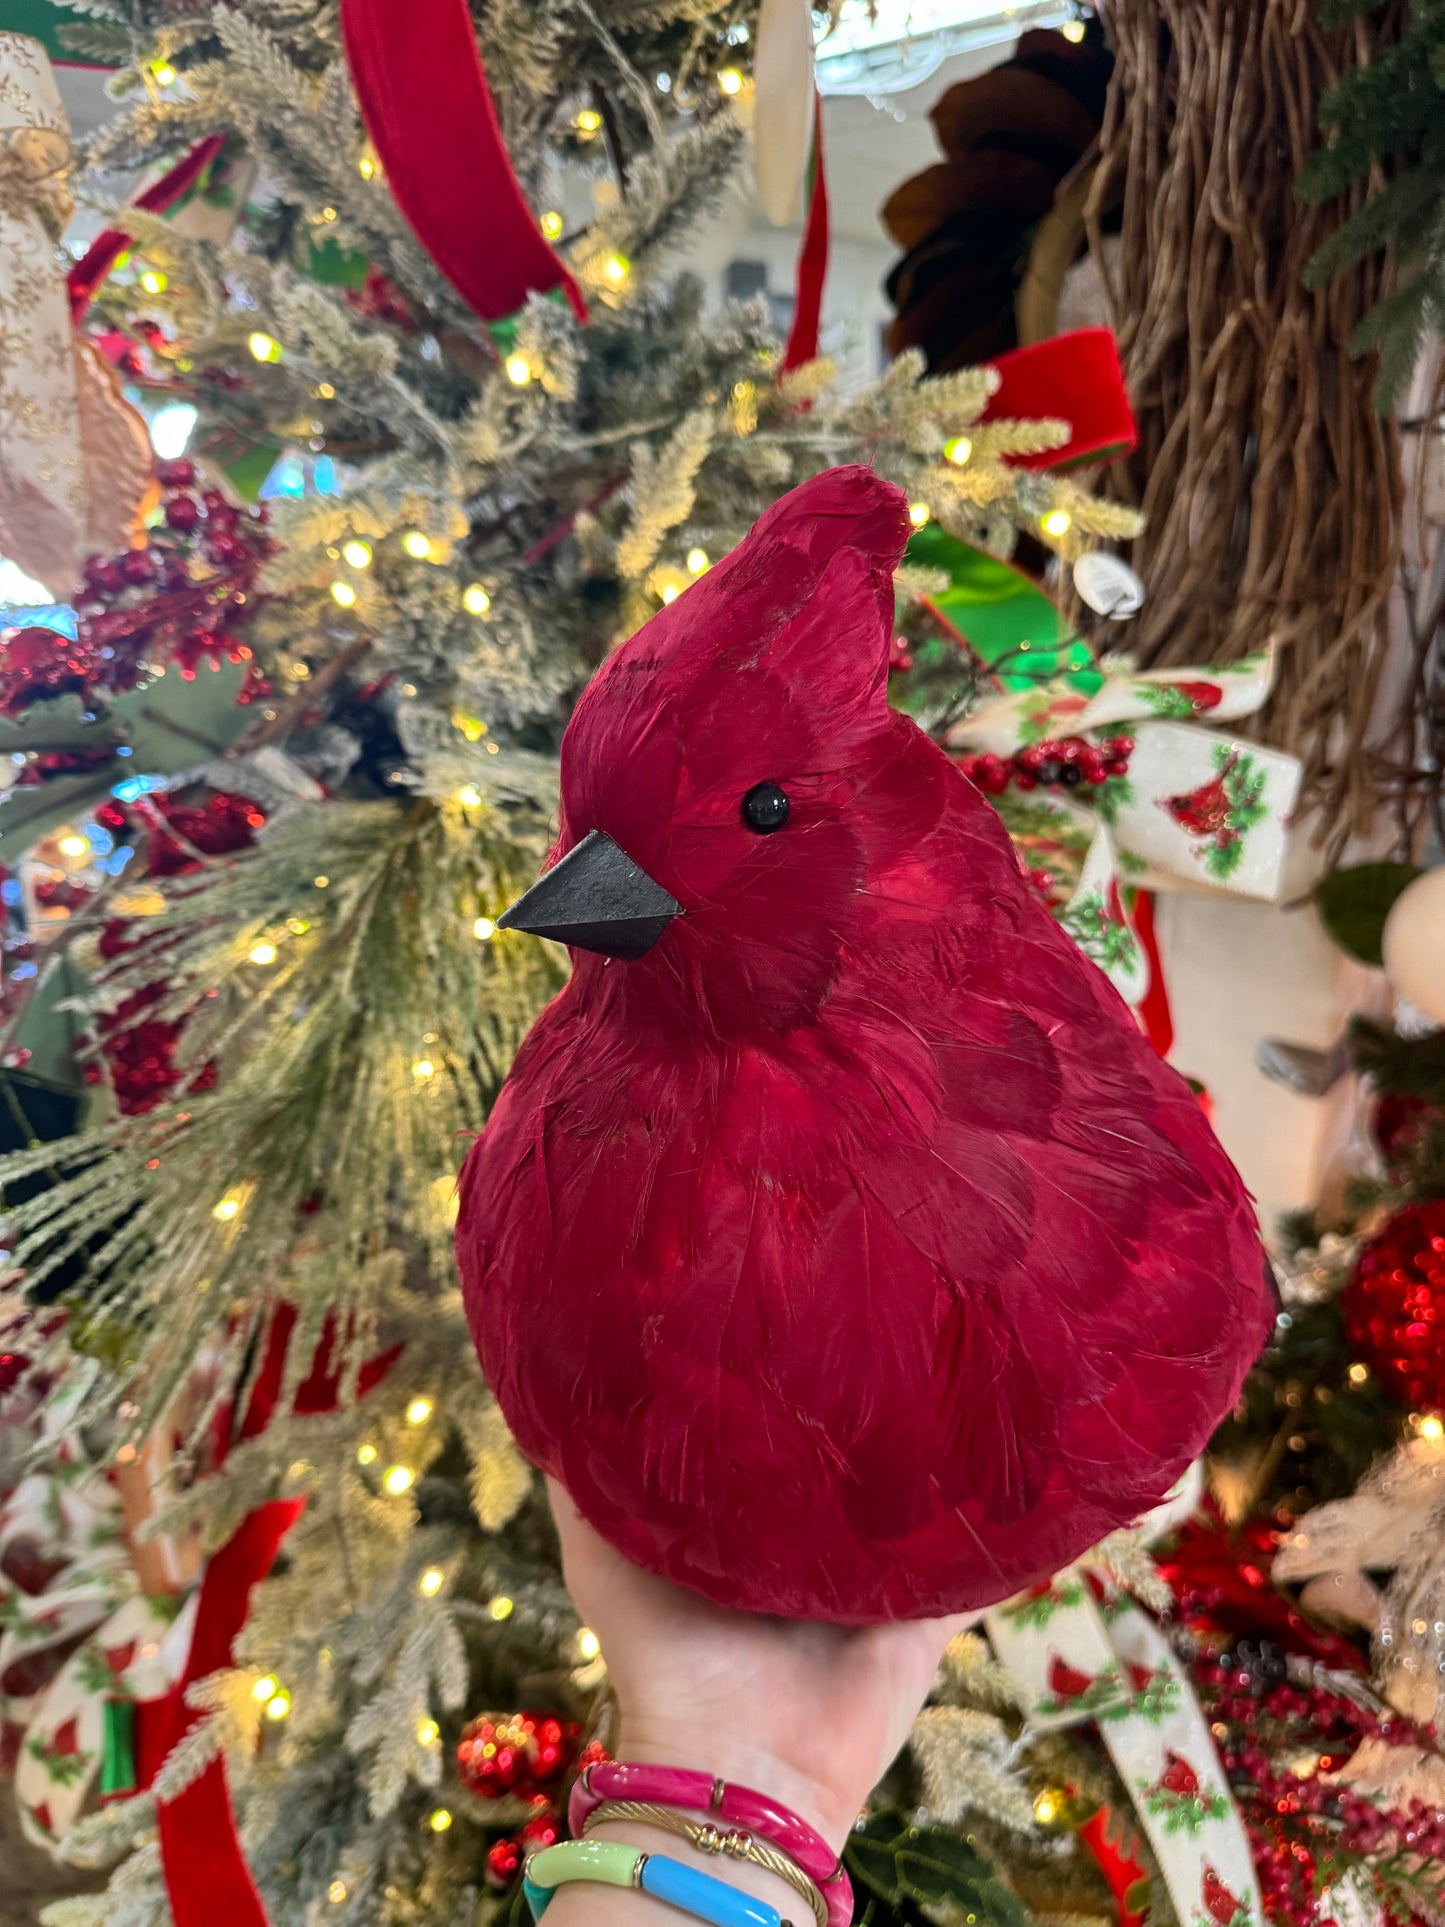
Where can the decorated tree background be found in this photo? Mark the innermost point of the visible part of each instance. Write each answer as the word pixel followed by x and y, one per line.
pixel 283 747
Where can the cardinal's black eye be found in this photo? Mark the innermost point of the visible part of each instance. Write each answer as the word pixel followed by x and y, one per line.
pixel 765 808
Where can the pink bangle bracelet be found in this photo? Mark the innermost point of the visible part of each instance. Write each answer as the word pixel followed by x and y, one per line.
pixel 740 1806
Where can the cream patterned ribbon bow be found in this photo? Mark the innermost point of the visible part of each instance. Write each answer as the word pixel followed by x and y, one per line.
pixel 1198 807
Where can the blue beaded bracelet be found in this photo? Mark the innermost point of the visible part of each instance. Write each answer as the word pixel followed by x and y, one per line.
pixel 614 1865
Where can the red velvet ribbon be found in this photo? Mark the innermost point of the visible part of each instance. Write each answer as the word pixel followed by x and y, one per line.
pixel 812 260
pixel 424 98
pixel 1076 378
pixel 207 1880
pixel 89 273
pixel 1154 1011
pixel 1222 1583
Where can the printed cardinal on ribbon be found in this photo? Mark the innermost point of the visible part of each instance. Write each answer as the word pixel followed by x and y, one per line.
pixel 1085 1651
pixel 1186 804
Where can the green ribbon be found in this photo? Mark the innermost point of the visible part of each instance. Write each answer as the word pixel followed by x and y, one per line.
pixel 1012 626
pixel 117 1760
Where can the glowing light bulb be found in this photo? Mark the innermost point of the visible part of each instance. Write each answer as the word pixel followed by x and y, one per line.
pixel 321 882
pixel 484 929
pixel 919 513
pixel 265 1689
pixel 357 553
pixel 228 1208
pixel 264 347
pixel 440 1820
pixel 164 73
pixel 1073 30
pixel 419 1411
pixel 154 283
pixel 551 224
pixel 587 122
pixel 262 953
pixel 588 1644
pixel 1433 1429
pixel 1046 1807
pixel 500 1608
pixel 422 1069
pixel 416 544
pixel 298 926
pixel 336 1892
pixel 74 845
pixel 431 1581
pixel 1057 522
pixel 670 592
pixel 343 593
pixel 366 1455
pixel 398 1479
pixel 616 268
pixel 279 1707
pixel 475 599
pixel 427 1732
pixel 519 370
pixel 731 80
pixel 366 166
pixel 958 450
pixel 469 796
pixel 325 392
pixel 1358 1374
pixel 328 214
pixel 697 562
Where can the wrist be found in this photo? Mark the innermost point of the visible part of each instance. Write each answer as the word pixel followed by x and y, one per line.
pixel 742 1760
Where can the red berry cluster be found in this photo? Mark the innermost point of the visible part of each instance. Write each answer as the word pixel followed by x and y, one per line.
pixel 1306 1832
pixel 138 1049
pixel 522 1755
pixel 183 598
pixel 1063 764
pixel 505 1856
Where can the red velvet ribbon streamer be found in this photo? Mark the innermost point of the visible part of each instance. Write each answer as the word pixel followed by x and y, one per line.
pixel 207 1880
pixel 812 260
pixel 1222 1583
pixel 424 98
pixel 1076 378
pixel 89 273
pixel 1154 1011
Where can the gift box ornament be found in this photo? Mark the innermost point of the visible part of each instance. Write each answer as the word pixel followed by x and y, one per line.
pixel 837 1240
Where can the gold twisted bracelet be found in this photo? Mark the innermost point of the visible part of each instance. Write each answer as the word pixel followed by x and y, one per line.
pixel 735 1842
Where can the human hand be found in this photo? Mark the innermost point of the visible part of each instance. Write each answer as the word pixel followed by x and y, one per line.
pixel 809 1714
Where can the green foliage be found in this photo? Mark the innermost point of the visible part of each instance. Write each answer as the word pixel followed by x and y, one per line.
pixel 1406 1066
pixel 1353 904
pixel 1390 116
pixel 1303 1430
pixel 909 1876
pixel 355 1063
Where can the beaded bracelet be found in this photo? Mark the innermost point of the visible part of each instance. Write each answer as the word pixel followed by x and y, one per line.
pixel 740 1806
pixel 707 1838
pixel 611 1864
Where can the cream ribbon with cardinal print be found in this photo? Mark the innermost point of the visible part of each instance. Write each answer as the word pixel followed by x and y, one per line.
pixel 1084 1651
pixel 1197 805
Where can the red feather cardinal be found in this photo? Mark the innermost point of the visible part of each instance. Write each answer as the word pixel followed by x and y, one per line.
pixel 837 1240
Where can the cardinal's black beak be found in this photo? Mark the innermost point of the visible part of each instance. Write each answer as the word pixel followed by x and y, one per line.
pixel 596 898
